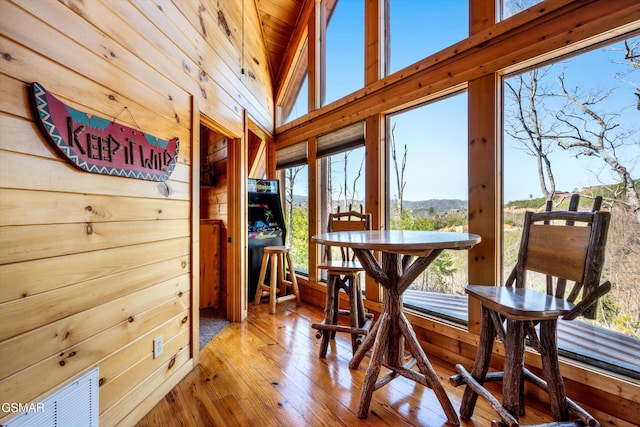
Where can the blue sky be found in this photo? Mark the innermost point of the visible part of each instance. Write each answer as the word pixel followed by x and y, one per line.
pixel 437 134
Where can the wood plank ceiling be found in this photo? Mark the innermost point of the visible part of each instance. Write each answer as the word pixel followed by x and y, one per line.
pixel 278 19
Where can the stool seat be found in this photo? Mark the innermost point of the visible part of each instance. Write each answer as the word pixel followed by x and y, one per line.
pixel 277 255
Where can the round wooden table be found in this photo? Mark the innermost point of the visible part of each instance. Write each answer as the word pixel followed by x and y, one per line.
pixel 405 255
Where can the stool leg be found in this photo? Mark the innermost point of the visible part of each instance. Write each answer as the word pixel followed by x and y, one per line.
pixel 513 366
pixel 274 282
pixel 282 284
pixel 261 277
pixel 358 291
pixel 481 364
pixel 294 281
pixel 551 369
pixel 328 316
pixel 354 312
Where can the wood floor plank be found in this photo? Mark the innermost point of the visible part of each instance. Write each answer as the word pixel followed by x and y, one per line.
pixel 266 371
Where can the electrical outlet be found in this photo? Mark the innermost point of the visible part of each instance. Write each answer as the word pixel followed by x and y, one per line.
pixel 157 346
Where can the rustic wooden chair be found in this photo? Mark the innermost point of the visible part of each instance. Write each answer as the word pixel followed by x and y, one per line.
pixel 564 246
pixel 344 274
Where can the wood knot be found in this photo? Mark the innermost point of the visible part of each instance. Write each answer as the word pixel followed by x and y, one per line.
pixel 101 381
pixel 88 208
pixel 62 363
pixel 184 319
pixel 89 229
pixel 184 264
pixel 172 362
pixel 7 56
pixel 130 319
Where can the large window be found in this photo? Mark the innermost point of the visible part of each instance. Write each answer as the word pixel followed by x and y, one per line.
pixel 296 214
pixel 417 29
pixel 344 49
pixel 428 190
pixel 572 126
pixel 296 100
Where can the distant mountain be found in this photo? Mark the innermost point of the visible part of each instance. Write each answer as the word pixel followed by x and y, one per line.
pixel 438 205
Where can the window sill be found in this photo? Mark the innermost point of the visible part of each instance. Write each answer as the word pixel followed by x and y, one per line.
pixel 577 340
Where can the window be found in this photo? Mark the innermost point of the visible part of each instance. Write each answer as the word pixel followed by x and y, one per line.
pixel 428 190
pixel 344 49
pixel 507 8
pixel 295 103
pixel 295 191
pixel 572 126
pixel 417 29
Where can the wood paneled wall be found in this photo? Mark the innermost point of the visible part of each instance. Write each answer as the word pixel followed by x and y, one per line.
pixel 94 267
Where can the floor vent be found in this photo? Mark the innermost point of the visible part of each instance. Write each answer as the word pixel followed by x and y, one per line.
pixel 76 404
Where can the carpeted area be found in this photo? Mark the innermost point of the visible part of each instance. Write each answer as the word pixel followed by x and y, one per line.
pixel 212 321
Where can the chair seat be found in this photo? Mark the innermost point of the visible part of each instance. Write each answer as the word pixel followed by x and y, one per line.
pixel 342 266
pixel 520 303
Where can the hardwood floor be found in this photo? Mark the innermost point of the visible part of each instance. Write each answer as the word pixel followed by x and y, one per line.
pixel 266 372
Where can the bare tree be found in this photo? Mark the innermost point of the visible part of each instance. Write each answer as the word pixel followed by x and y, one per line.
pixel 354 191
pixel 290 177
pixel 527 124
pixel 399 170
pixel 587 132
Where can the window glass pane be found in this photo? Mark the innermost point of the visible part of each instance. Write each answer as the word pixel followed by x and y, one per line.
pixel 295 188
pixel 418 29
pixel 509 8
pixel 344 181
pixel 573 126
pixel 295 103
pixel 343 176
pixel 428 190
pixel 344 50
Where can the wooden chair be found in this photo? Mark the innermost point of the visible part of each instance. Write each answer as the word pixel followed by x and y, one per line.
pixel 277 284
pixel 564 246
pixel 345 274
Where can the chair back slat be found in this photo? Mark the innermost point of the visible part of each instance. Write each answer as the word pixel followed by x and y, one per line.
pixel 346 221
pixel 566 246
pixel 349 225
pixel 558 251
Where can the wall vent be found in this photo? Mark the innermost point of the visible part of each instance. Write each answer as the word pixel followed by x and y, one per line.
pixel 75 404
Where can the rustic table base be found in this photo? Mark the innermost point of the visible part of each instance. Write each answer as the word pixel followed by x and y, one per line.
pixel 392 331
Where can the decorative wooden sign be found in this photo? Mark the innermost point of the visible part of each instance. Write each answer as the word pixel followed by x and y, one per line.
pixel 99 145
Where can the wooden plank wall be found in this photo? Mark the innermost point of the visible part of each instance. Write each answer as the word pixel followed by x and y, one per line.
pixel 214 199
pixel 92 267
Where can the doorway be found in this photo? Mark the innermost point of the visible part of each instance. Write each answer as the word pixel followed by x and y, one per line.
pixel 213 225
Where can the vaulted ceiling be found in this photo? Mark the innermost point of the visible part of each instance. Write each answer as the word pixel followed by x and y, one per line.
pixel 278 20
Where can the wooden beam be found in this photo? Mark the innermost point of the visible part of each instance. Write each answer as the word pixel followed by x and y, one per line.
pixel 554 26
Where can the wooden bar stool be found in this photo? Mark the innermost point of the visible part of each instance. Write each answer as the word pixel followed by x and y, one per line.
pixel 344 274
pixel 563 246
pixel 277 255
